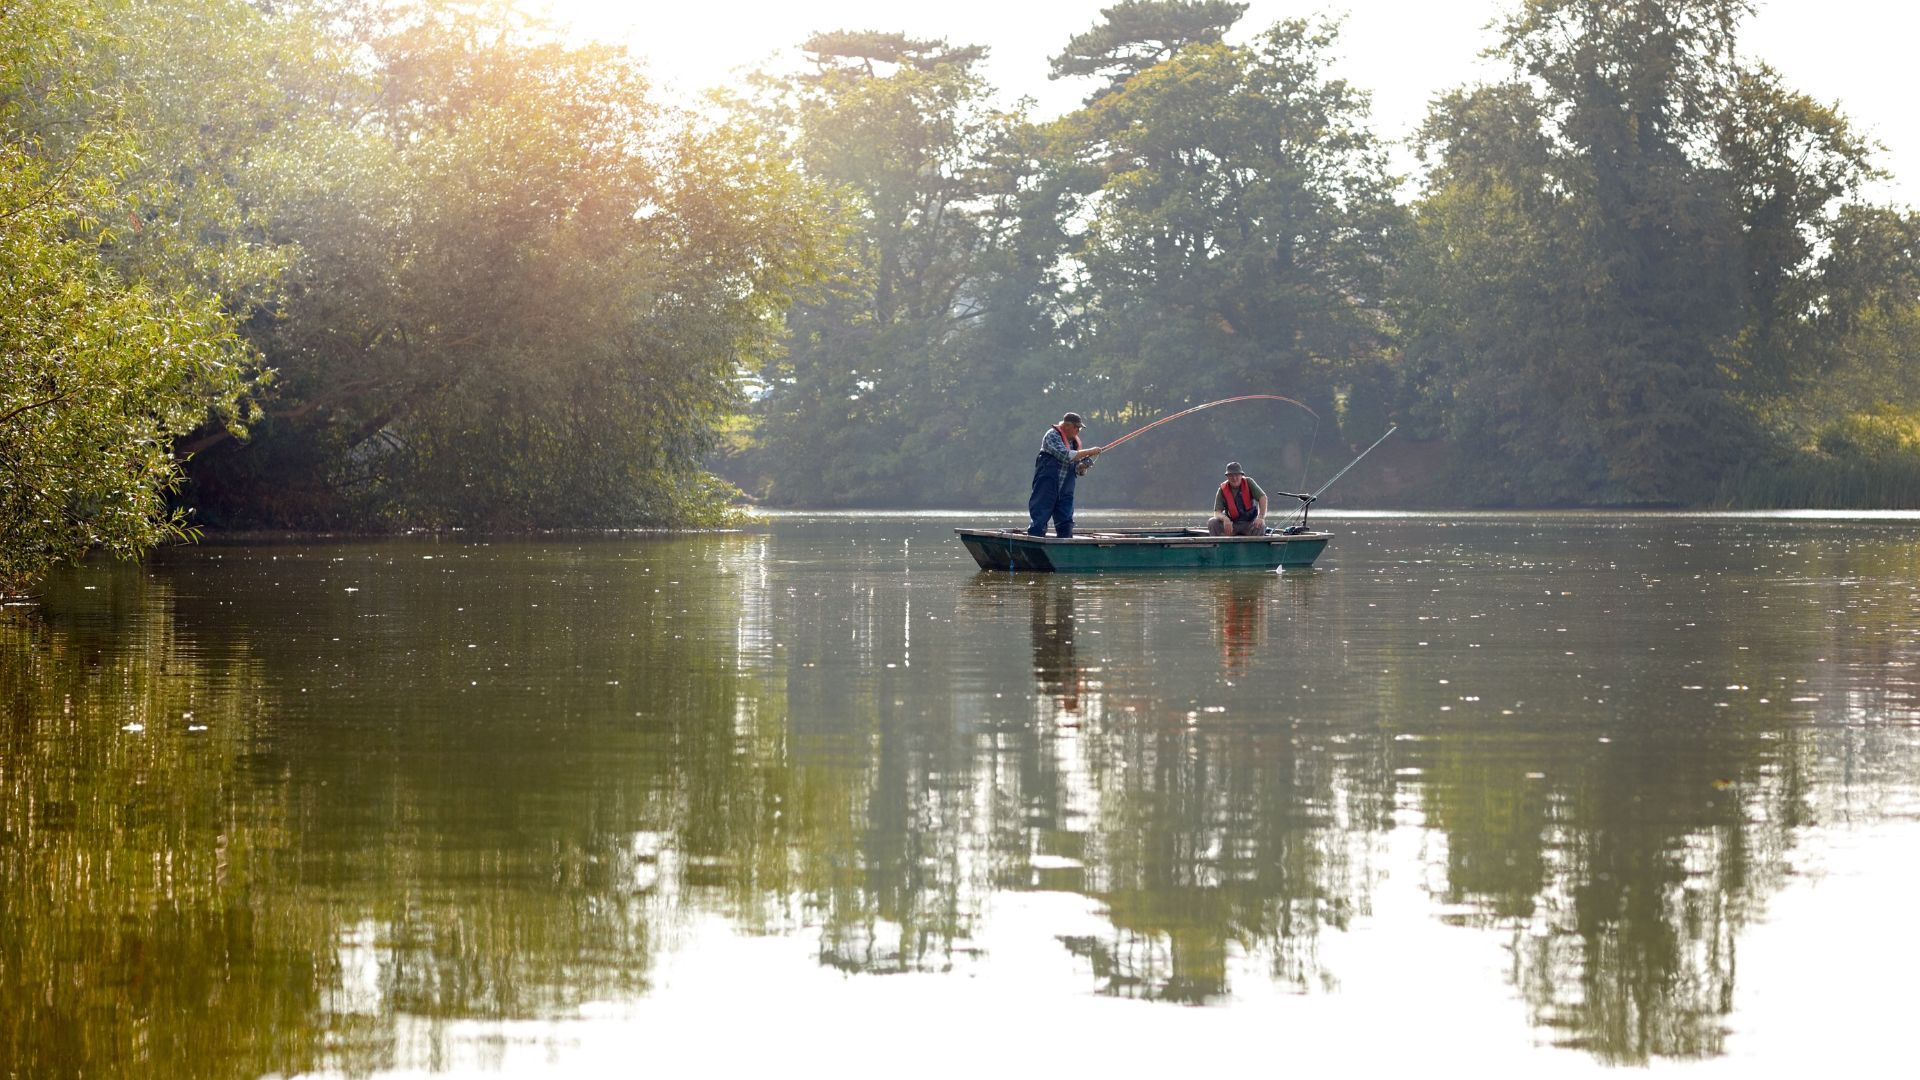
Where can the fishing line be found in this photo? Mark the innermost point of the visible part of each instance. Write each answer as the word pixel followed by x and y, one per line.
pixel 1313 440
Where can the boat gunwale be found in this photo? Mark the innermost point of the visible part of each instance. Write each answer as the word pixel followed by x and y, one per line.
pixel 1152 537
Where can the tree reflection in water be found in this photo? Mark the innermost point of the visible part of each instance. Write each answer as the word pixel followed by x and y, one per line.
pixel 138 834
pixel 1201 841
pixel 508 786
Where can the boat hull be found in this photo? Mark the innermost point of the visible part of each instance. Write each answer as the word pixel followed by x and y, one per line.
pixel 1140 549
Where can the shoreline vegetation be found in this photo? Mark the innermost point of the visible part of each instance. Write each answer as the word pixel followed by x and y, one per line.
pixel 339 267
pixel 761 521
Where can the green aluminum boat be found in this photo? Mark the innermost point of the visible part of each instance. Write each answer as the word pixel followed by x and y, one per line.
pixel 1142 549
pixel 1171 548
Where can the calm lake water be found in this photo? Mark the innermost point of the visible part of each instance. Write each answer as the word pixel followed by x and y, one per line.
pixel 1499 793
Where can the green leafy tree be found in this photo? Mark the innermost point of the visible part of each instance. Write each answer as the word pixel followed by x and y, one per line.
pixel 1238 213
pixel 109 356
pixel 1849 417
pixel 1617 259
pixel 208 92
pixel 1871 303
pixel 525 297
pixel 877 392
pixel 1137 34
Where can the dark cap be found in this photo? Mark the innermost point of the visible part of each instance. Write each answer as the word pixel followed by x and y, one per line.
pixel 1074 419
pixel 1234 469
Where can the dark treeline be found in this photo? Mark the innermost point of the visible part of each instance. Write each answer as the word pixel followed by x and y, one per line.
pixel 361 264
pixel 1638 272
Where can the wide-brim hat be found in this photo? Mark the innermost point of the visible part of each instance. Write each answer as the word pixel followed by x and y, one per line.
pixel 1234 469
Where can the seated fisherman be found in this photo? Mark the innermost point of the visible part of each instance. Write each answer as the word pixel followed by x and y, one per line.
pixel 1239 507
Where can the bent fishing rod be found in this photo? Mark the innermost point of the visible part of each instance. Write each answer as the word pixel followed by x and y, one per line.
pixel 1306 500
pixel 1139 431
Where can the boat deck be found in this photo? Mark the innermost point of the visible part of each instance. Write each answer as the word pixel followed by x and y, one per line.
pixel 1170 548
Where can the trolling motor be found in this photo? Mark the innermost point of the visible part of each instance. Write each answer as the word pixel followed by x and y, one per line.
pixel 1305 501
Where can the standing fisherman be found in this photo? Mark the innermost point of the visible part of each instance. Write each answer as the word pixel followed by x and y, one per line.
pixel 1060 462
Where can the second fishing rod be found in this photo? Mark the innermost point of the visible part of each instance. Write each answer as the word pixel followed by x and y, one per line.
pixel 1306 499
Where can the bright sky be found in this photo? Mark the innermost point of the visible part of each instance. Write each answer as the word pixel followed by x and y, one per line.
pixel 1854 52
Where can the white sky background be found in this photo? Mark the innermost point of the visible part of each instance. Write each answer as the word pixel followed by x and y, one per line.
pixel 1854 52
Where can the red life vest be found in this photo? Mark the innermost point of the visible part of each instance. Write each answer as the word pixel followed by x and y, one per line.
pixel 1073 443
pixel 1246 497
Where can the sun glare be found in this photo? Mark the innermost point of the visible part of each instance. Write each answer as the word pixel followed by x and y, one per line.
pixel 1402 51
pixel 696 46
pixel 693 47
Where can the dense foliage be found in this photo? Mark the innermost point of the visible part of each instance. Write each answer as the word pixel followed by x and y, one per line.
pixel 1637 272
pixel 525 293
pixel 1616 271
pixel 368 265
pixel 450 272
pixel 114 339
pixel 1238 221
pixel 879 375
